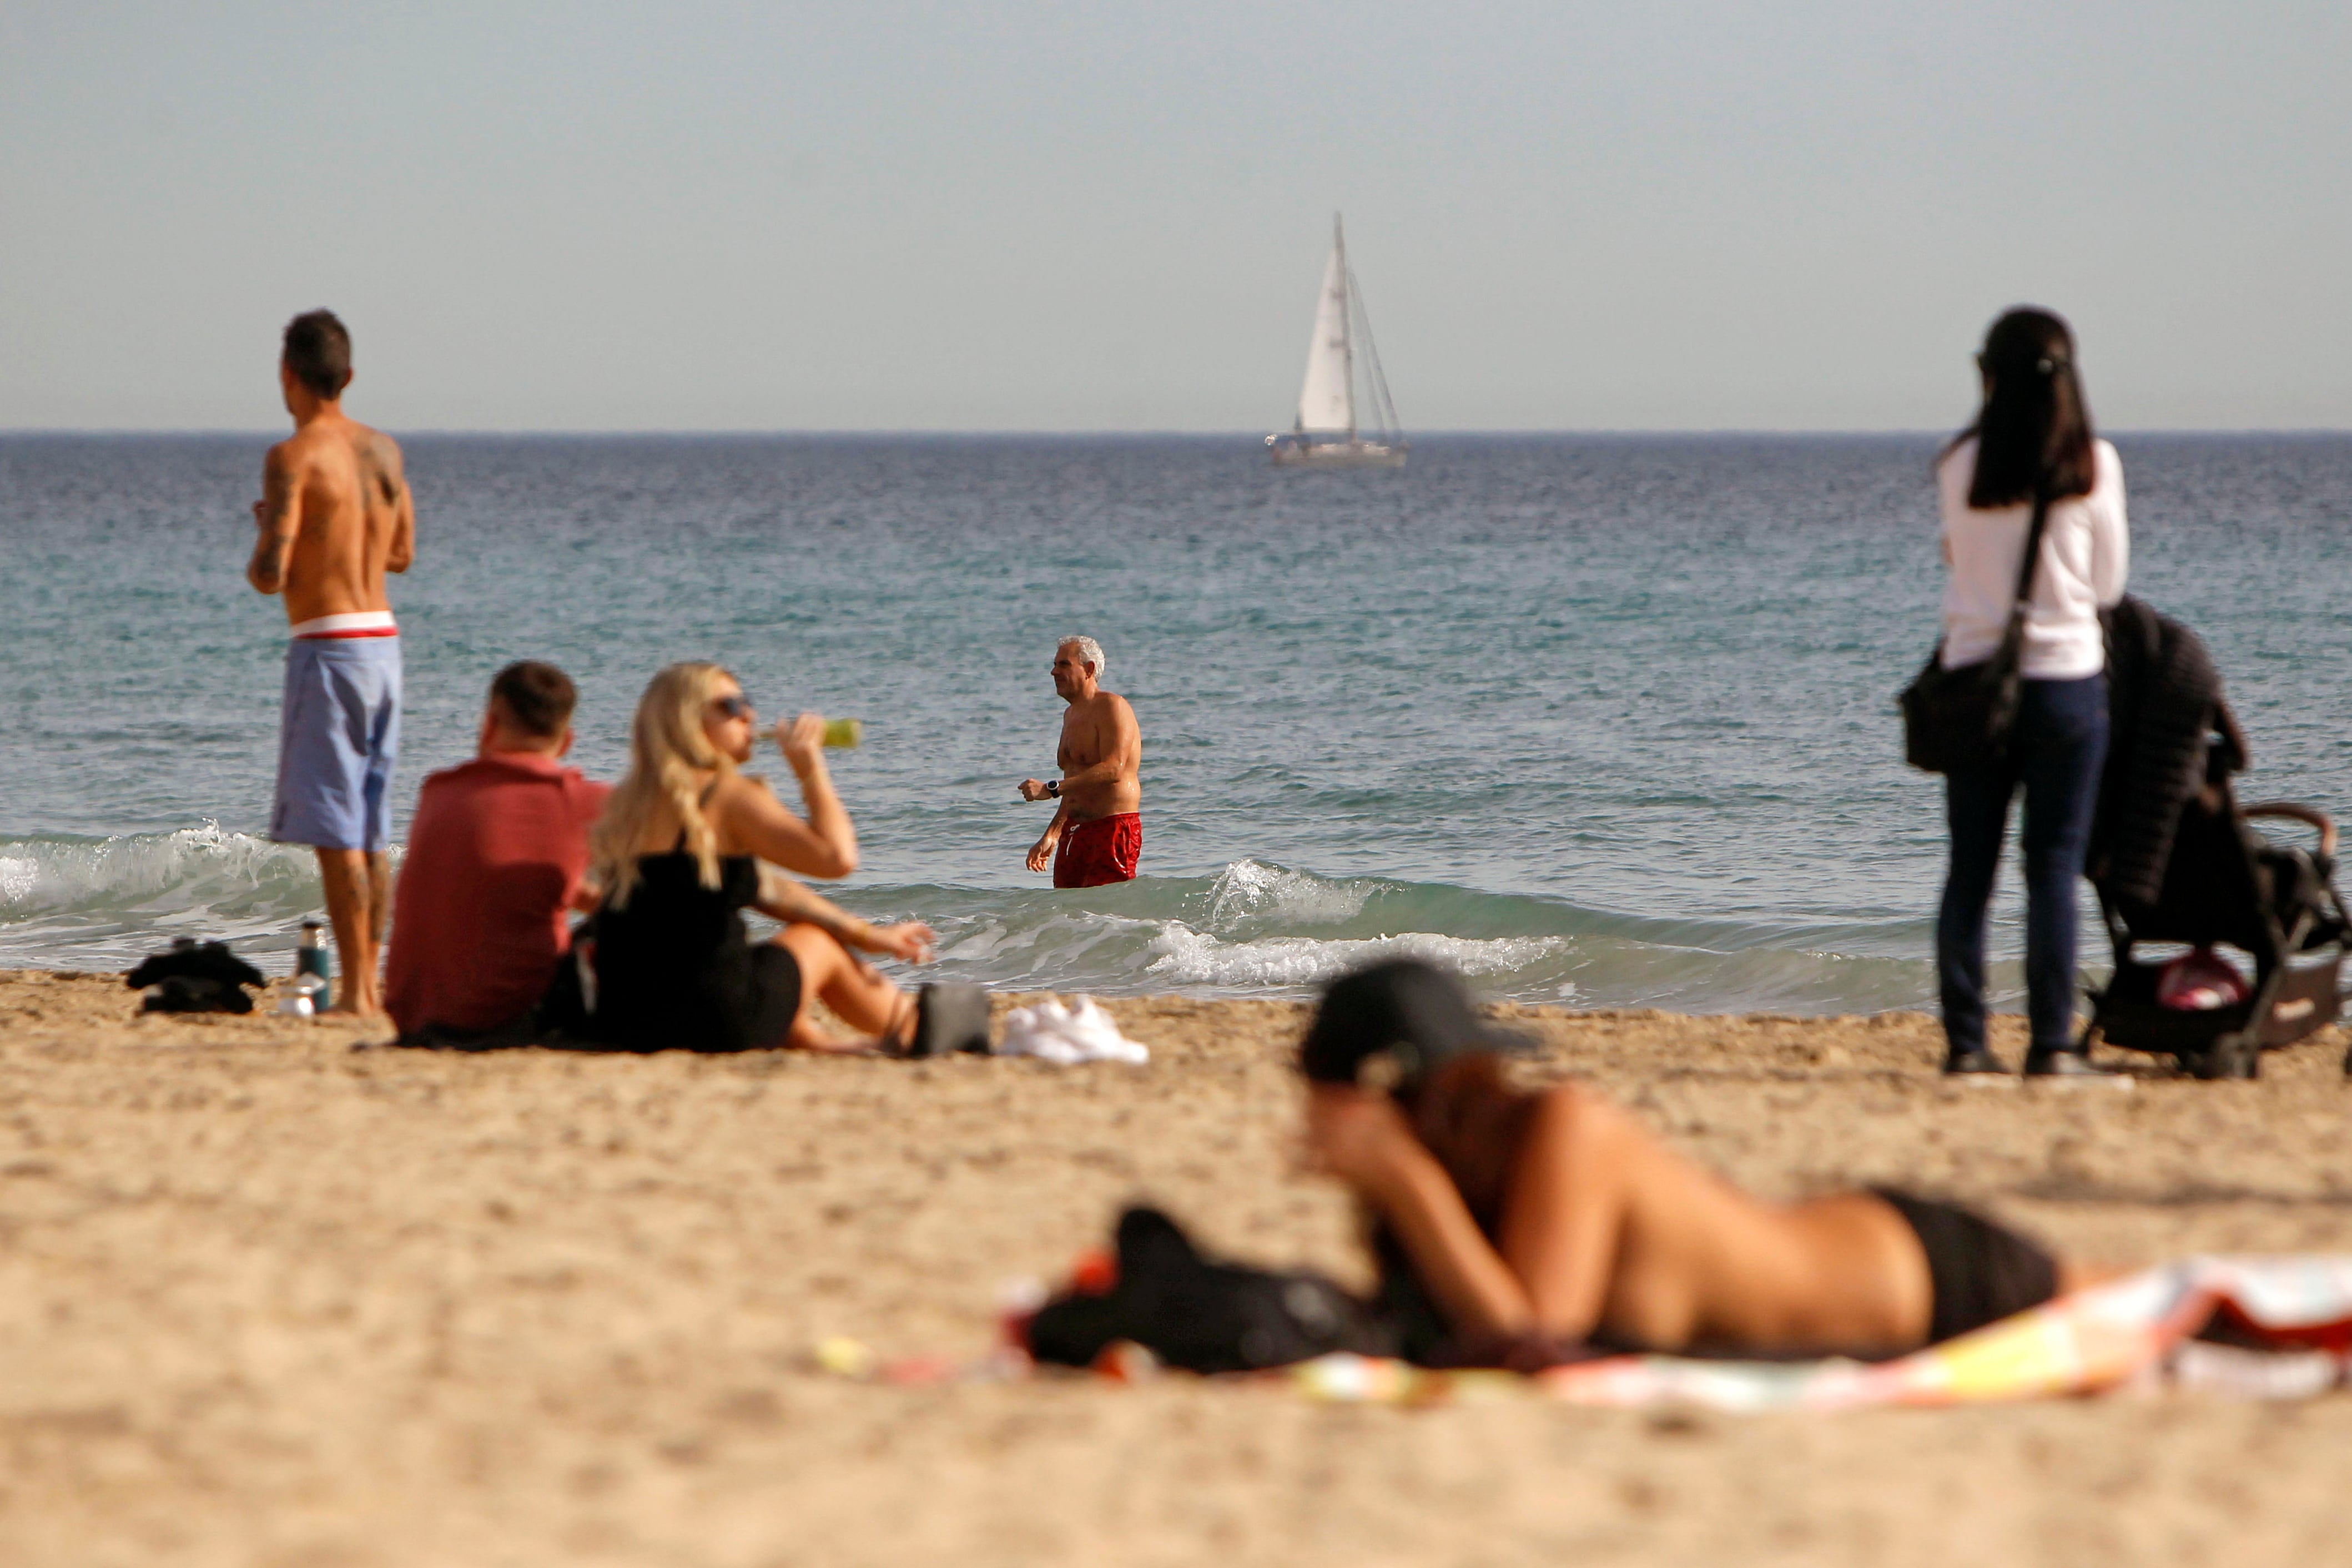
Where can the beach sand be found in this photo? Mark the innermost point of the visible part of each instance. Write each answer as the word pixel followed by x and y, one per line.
pixel 266 1300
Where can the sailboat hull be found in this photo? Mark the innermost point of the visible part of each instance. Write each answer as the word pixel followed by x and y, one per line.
pixel 1289 451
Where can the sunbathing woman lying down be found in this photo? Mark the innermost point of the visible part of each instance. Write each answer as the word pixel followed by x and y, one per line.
pixel 1551 1219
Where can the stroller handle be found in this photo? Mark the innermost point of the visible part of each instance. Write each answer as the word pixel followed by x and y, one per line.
pixel 2311 816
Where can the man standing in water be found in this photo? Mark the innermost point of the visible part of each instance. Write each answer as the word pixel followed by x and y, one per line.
pixel 335 515
pixel 1097 829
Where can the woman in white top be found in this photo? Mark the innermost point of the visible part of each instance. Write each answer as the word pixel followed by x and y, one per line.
pixel 2032 432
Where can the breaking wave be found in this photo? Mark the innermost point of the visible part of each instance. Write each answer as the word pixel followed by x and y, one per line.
pixel 102 902
pixel 1260 929
pixel 1253 929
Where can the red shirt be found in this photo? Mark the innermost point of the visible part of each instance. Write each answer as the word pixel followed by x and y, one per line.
pixel 495 852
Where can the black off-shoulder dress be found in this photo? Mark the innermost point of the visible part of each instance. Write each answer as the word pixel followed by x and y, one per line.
pixel 676 971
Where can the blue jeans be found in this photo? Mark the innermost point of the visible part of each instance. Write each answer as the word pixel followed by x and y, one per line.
pixel 2056 751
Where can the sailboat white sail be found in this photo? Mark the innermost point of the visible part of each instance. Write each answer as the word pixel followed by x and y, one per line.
pixel 1327 403
pixel 1326 434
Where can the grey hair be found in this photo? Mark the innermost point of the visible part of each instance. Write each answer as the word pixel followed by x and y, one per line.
pixel 1088 650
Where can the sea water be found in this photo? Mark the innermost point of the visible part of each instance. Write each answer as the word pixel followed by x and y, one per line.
pixel 1602 721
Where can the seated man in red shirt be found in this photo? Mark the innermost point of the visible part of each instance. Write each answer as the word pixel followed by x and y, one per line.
pixel 496 851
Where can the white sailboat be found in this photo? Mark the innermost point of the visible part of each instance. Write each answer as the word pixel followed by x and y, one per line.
pixel 1326 434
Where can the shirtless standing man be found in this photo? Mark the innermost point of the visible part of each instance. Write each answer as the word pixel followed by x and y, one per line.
pixel 1097 828
pixel 335 515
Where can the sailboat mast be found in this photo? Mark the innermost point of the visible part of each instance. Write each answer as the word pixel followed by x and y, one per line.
pixel 1347 329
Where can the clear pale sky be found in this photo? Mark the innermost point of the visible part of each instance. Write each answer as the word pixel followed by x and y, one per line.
pixel 1024 215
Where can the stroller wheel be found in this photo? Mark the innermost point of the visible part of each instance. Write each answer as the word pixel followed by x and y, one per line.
pixel 2230 1056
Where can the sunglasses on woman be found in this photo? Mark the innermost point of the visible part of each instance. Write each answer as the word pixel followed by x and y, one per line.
pixel 737 706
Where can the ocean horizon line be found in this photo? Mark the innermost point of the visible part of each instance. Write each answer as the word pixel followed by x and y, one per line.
pixel 1253 435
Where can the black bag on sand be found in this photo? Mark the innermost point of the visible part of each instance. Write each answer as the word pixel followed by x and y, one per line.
pixel 194 994
pixel 194 977
pixel 1961 718
pixel 1199 1315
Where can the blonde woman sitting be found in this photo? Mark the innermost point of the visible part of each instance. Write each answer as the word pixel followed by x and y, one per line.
pixel 687 842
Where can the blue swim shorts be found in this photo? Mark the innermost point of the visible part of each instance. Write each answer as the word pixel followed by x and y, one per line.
pixel 341 731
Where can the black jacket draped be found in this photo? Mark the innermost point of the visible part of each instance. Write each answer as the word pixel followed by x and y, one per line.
pixel 2164 701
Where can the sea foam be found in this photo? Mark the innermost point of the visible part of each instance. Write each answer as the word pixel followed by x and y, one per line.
pixel 1182 956
pixel 1249 891
pixel 104 901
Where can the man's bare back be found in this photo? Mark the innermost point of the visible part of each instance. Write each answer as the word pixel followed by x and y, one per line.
pixel 335 515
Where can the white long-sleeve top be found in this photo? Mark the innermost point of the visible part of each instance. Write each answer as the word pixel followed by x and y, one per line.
pixel 2085 554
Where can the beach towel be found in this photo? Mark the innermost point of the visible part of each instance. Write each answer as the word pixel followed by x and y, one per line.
pixel 2277 1328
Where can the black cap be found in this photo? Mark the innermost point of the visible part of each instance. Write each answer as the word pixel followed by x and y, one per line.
pixel 1417 1012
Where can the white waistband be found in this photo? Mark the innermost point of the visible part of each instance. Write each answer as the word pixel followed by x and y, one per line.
pixel 355 623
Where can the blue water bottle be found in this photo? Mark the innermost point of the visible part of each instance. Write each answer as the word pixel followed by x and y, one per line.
pixel 308 997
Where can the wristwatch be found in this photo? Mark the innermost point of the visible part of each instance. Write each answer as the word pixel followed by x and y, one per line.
pixel 1053 788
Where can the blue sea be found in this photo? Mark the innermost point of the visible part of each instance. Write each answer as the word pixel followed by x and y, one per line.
pixel 1605 721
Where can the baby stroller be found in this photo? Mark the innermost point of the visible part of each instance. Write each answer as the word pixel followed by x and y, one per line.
pixel 2224 880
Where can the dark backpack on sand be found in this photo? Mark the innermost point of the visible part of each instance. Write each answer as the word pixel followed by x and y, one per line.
pixel 193 976
pixel 1200 1315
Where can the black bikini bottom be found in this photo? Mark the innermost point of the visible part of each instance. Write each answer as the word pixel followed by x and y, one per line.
pixel 1980 1272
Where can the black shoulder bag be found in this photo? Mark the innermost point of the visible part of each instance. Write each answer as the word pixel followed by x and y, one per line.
pixel 1961 718
pixel 1200 1314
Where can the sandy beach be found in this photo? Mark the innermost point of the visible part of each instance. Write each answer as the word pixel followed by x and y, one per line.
pixel 265 1299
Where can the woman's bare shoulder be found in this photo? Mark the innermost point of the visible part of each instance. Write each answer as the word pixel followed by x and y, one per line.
pixel 741 803
pixel 1563 1108
pixel 735 793
pixel 732 786
pixel 1583 1123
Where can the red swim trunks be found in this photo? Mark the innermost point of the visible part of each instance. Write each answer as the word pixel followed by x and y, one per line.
pixel 1103 850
